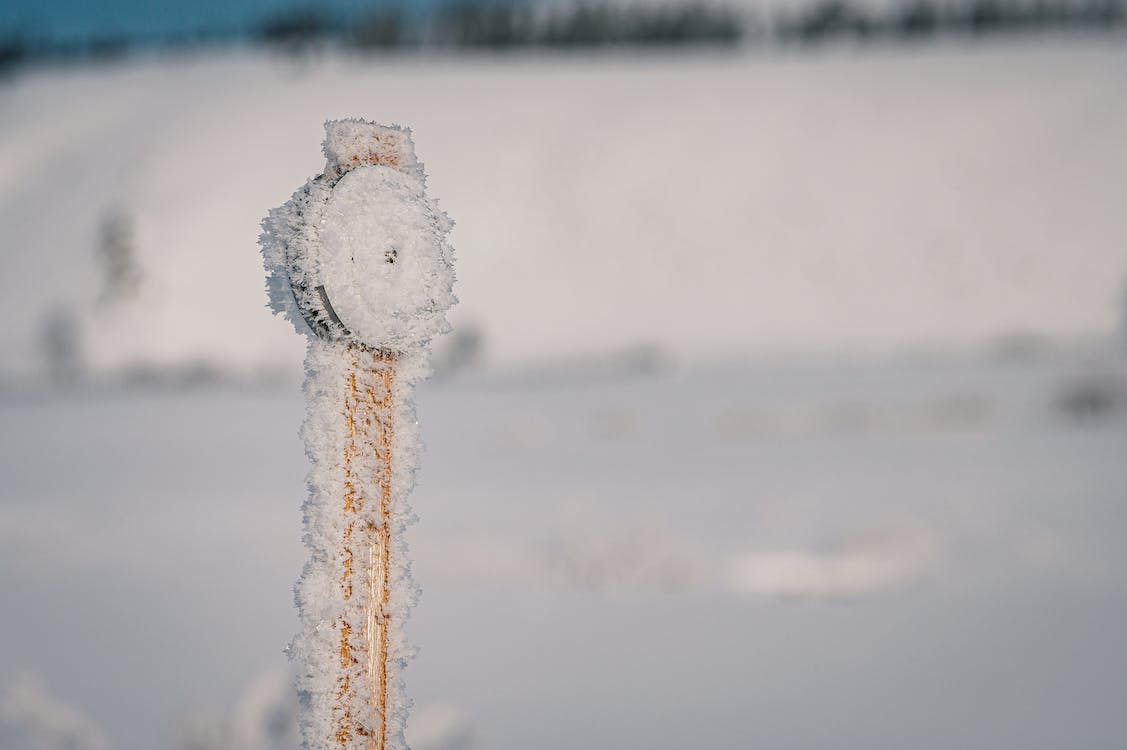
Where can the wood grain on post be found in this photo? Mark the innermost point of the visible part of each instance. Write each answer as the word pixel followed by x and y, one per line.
pixel 369 416
pixel 368 412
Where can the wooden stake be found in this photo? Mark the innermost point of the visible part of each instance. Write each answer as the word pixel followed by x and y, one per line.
pixel 365 549
pixel 369 416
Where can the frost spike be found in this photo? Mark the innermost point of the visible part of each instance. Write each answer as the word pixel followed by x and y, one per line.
pixel 358 261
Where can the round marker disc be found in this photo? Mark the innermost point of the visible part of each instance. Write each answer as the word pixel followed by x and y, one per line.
pixel 383 261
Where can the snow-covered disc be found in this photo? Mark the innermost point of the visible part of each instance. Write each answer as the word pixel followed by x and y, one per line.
pixel 384 264
pixel 362 256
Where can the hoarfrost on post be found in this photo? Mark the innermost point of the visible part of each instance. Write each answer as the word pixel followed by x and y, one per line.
pixel 359 253
pixel 358 260
pixel 383 262
pixel 350 142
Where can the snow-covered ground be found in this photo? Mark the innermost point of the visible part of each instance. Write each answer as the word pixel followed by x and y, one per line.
pixel 706 206
pixel 692 543
pixel 913 553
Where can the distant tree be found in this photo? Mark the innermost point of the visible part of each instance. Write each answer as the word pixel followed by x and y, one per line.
pixel 492 25
pixel 581 25
pixel 116 259
pixel 61 345
pixel 108 47
pixel 683 24
pixel 916 19
pixel 382 29
pixel 1104 13
pixel 985 16
pixel 591 24
pixel 296 29
pixel 13 51
pixel 828 19
pixel 462 351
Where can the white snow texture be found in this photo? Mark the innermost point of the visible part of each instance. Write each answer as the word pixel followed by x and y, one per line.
pixel 358 258
pixel 360 252
pixel 323 605
pixel 31 718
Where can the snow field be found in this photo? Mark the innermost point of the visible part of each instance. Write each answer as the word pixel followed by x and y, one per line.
pixel 711 207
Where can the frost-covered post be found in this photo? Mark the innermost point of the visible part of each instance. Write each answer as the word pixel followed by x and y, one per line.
pixel 358 260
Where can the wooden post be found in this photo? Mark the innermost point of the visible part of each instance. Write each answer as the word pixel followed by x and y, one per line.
pixel 370 418
pixel 369 412
pixel 370 326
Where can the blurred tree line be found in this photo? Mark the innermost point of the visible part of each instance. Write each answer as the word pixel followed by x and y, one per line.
pixel 567 24
pixel 511 24
pixel 496 24
pixel 915 20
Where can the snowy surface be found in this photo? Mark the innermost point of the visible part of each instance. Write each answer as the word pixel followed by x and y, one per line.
pixel 707 207
pixel 913 553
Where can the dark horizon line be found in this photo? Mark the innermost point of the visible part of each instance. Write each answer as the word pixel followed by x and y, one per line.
pixel 585 25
